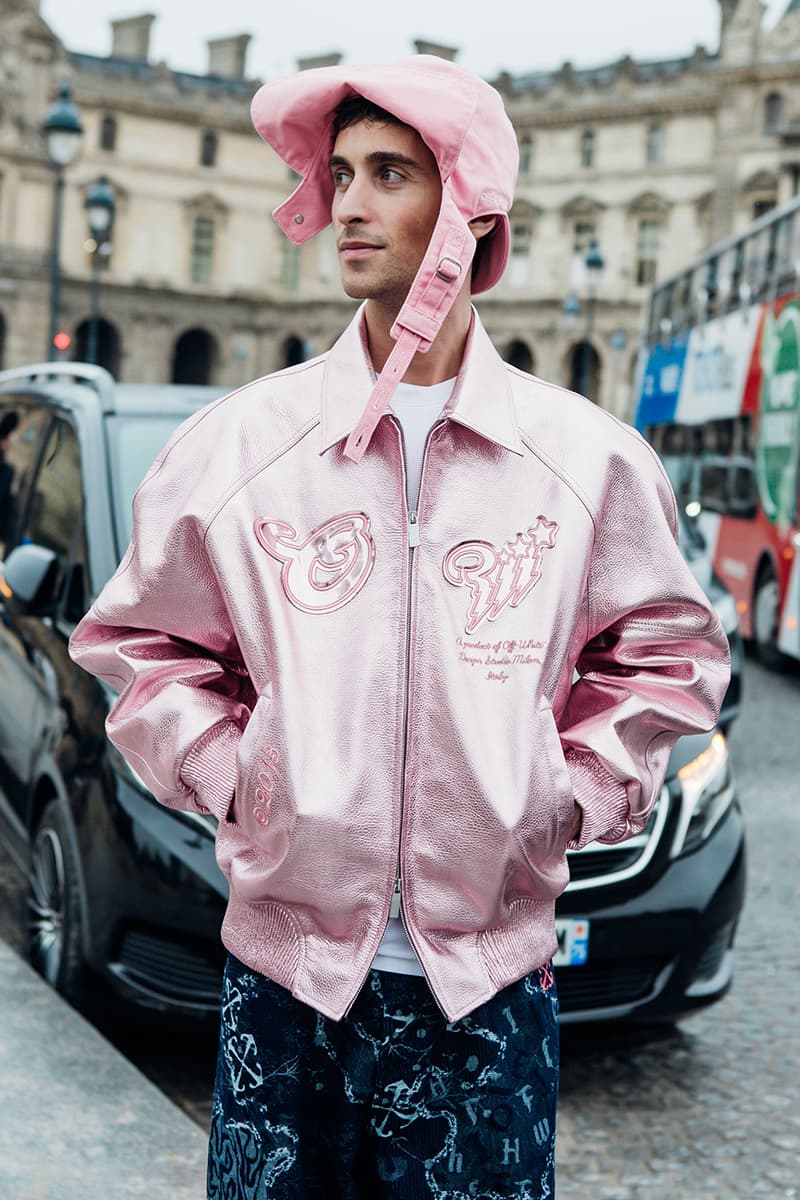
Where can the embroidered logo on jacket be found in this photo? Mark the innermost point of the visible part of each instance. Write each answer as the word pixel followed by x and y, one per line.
pixel 267 781
pixel 327 569
pixel 499 579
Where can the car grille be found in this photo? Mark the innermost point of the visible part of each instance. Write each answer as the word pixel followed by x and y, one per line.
pixel 591 863
pixel 606 985
pixel 182 969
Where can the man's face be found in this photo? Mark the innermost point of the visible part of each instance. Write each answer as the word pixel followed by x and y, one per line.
pixel 387 199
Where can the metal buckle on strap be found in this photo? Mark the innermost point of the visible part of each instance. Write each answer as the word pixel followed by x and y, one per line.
pixel 449 269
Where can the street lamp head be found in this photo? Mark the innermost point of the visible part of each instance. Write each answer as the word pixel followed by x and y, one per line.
pixel 594 262
pixel 99 205
pixel 62 129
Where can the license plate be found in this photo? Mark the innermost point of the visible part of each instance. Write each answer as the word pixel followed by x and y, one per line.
pixel 573 942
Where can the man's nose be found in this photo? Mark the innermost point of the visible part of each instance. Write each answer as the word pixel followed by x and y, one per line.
pixel 353 204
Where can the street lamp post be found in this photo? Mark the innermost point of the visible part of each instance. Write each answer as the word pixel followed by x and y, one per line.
pixel 99 205
pixel 62 131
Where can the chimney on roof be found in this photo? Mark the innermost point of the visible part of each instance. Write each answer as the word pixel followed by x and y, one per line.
pixel 319 60
pixel 448 52
pixel 130 37
pixel 227 55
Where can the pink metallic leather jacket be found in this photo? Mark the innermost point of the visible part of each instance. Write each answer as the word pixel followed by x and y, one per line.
pixel 361 694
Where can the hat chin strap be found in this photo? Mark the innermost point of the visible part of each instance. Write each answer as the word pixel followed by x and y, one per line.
pixel 436 285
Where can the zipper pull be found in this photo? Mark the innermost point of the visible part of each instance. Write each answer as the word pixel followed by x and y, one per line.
pixel 413 529
pixel 394 911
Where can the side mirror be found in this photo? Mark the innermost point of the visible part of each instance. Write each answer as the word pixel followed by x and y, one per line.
pixel 30 574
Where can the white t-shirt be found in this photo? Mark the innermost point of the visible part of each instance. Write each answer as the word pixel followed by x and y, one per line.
pixel 417 409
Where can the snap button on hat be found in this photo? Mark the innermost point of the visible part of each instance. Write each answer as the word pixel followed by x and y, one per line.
pixel 298 220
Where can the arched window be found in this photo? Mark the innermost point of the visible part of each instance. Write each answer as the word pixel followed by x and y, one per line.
pixel 108 132
pixel 520 355
pixel 525 154
pixel 584 370
pixel 109 351
pixel 773 112
pixel 587 148
pixel 208 149
pixel 294 351
pixel 194 357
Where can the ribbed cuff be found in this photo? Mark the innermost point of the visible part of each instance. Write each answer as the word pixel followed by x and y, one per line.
pixel 210 768
pixel 603 800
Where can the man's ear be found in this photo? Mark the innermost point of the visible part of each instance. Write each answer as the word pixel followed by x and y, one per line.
pixel 480 226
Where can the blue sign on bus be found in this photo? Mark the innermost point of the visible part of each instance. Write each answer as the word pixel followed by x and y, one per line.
pixel 661 384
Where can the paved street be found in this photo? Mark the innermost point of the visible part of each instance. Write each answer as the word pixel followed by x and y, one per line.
pixel 707 1111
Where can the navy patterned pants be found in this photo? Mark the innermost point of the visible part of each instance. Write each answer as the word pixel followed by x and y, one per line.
pixel 392 1101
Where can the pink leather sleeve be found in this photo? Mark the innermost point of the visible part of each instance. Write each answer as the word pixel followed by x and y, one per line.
pixel 160 634
pixel 656 663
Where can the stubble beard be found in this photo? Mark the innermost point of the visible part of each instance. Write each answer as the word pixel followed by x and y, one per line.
pixel 389 287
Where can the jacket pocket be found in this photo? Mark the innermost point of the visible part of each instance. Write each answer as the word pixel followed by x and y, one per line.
pixel 545 829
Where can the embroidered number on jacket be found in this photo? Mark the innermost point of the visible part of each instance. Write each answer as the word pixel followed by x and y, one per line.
pixel 499 578
pixel 328 568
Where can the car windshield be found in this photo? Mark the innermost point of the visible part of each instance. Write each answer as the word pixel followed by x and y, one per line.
pixel 134 441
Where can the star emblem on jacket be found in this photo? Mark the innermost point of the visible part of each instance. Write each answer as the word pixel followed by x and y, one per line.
pixel 499 579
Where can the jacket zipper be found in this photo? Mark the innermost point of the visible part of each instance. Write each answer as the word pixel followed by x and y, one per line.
pixel 412 529
pixel 396 908
pixel 413 543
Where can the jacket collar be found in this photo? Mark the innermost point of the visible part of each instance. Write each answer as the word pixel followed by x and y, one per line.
pixel 481 399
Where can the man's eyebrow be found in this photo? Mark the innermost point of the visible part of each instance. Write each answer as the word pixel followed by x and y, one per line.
pixel 378 158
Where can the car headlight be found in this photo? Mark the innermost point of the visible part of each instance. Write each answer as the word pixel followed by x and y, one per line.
pixel 707 793
pixel 725 608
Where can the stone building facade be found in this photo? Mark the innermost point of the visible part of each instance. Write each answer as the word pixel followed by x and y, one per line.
pixel 651 160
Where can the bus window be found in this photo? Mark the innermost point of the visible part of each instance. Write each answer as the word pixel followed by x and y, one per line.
pixel 699 295
pixel 794 251
pixel 714 485
pixel 771 266
pixel 725 272
pixel 784 271
pixel 743 443
pixel 682 303
pixel 656 309
pixel 737 275
pixel 661 315
pixel 756 254
pixel 743 493
pixel 674 440
pixel 666 323
pixel 711 285
pixel 724 435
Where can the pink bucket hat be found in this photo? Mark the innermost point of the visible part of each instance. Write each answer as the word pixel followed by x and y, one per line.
pixel 461 119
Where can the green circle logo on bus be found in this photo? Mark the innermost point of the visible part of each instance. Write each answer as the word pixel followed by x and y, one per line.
pixel 778 442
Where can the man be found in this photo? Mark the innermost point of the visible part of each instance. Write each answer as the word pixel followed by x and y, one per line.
pixel 348 625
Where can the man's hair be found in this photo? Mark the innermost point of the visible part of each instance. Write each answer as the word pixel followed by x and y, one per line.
pixel 355 109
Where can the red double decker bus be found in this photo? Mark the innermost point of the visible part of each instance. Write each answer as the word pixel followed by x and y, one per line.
pixel 719 399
